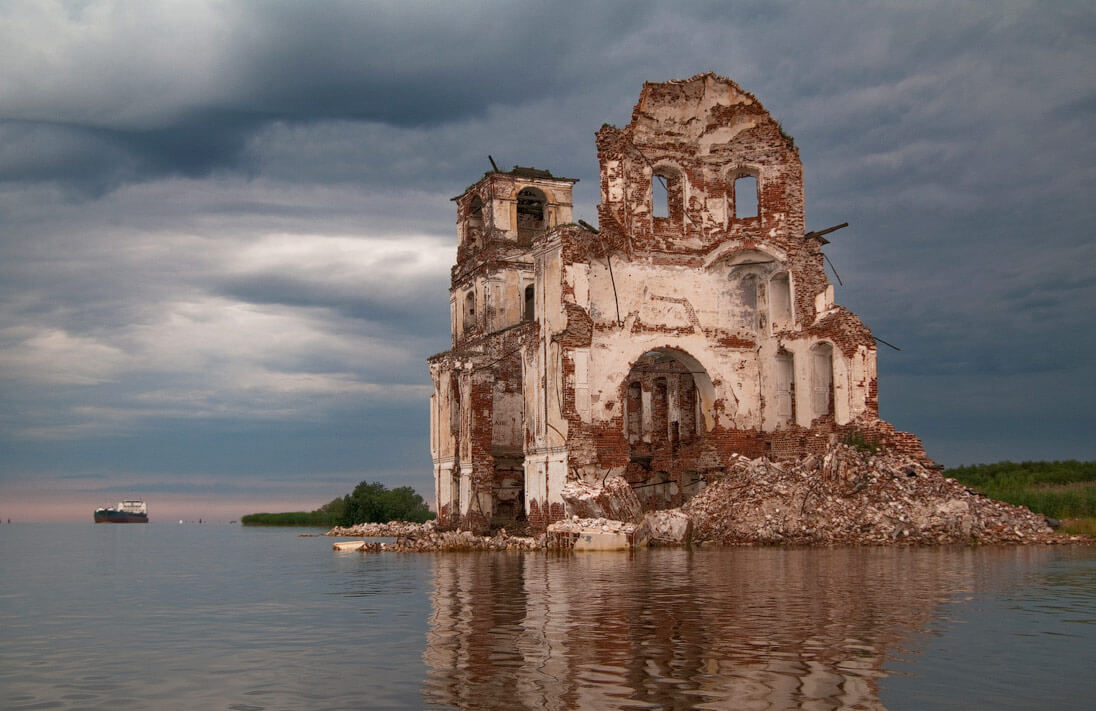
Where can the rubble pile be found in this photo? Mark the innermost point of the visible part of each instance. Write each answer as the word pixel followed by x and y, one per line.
pixel 423 537
pixel 848 496
pixel 842 496
pixel 392 529
pixel 466 541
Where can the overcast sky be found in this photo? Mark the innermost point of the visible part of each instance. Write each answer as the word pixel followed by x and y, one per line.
pixel 225 227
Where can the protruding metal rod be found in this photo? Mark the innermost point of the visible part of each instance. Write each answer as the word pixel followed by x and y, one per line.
pixel 493 163
pixel 886 344
pixel 587 226
pixel 818 234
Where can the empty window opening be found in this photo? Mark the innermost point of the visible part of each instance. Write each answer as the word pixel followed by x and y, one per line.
pixel 454 407
pixel 822 380
pixel 531 209
pixel 745 196
pixel 780 301
pixel 785 388
pixel 660 196
pixel 473 226
pixel 530 292
pixel 469 311
pixel 475 213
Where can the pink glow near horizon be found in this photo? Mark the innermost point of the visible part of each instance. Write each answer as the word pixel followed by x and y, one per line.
pixel 163 508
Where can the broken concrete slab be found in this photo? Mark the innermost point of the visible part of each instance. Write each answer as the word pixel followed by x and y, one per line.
pixel 669 527
pixel 613 499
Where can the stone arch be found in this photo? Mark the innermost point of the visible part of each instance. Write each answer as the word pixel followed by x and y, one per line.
pixel 663 391
pixel 705 390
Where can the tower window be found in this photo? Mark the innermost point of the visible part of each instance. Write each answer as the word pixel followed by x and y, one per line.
pixel 529 303
pixel 660 197
pixel 745 197
pixel 667 193
pixel 470 312
pixel 531 204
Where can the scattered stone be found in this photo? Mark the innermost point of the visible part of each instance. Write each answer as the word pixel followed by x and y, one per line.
pixel 839 496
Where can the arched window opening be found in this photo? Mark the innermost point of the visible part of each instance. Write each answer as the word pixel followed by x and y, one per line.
pixel 473 224
pixel 745 197
pixel 469 312
pixel 635 412
pixel 785 388
pixel 780 301
pixel 532 205
pixel 660 196
pixel 475 212
pixel 821 380
pixel 530 292
pixel 454 408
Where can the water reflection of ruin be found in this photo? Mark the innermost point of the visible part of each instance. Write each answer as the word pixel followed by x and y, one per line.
pixel 718 629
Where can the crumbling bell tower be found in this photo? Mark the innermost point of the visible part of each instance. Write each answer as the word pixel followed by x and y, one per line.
pixel 695 324
pixel 479 434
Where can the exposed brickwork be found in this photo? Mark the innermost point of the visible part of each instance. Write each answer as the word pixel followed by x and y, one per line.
pixel 662 344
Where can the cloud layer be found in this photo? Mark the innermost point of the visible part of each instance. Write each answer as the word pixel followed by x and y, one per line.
pixel 225 231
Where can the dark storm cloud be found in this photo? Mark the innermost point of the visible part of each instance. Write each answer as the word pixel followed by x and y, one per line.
pixel 226 229
pixel 408 65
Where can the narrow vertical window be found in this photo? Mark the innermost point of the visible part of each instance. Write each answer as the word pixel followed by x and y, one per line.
pixel 780 301
pixel 470 312
pixel 785 388
pixel 530 292
pixel 473 226
pixel 660 196
pixel 745 196
pixel 822 380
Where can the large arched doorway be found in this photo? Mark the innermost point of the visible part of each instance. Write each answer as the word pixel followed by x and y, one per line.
pixel 667 393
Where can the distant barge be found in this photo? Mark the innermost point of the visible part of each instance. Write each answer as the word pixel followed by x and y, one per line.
pixel 128 511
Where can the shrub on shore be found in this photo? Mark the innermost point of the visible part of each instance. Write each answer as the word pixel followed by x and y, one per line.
pixel 368 503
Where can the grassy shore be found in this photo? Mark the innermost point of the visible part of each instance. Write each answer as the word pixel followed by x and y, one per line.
pixel 1062 490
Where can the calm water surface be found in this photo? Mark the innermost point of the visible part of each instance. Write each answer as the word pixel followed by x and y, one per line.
pixel 224 617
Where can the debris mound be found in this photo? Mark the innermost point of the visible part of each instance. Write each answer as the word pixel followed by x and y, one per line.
pixel 848 496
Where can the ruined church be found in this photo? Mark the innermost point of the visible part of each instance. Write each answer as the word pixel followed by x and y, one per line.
pixel 693 324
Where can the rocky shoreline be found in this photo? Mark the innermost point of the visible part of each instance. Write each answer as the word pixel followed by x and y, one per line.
pixel 841 497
